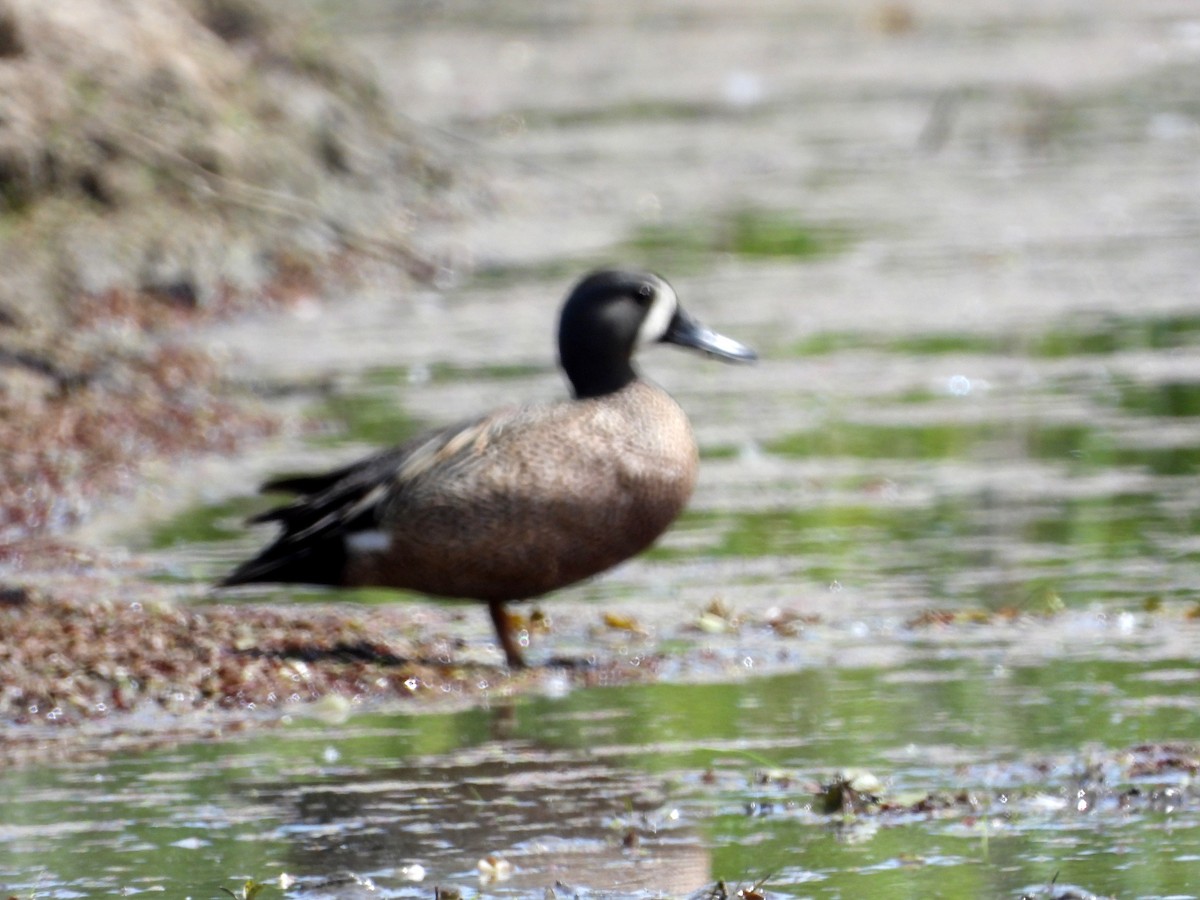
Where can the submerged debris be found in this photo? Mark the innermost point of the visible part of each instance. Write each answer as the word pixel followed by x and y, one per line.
pixel 721 891
pixel 718 617
pixel 849 794
pixel 494 869
pixel 337 883
pixel 248 891
pixel 1143 777
pixel 620 622
pixel 1055 891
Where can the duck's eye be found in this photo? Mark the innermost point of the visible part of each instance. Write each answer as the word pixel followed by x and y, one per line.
pixel 645 294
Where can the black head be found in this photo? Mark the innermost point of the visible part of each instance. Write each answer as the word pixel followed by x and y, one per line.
pixel 611 313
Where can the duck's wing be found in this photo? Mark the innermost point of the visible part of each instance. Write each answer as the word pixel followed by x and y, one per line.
pixel 336 505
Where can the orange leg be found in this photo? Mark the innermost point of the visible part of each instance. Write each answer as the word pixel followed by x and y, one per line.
pixel 504 632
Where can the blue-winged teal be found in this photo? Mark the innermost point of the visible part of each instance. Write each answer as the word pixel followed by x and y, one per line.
pixel 523 500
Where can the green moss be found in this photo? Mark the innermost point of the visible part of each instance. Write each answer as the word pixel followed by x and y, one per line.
pixel 826 343
pixel 917 396
pixel 880 441
pixel 553 273
pixel 1100 337
pixel 1160 460
pixel 642 110
pixel 759 234
pixel 444 373
pixel 1116 334
pixel 949 343
pixel 750 233
pixel 1178 399
pixel 1123 524
pixel 369 416
pixel 205 523
pixel 447 372
pixel 1079 445
pixel 720 451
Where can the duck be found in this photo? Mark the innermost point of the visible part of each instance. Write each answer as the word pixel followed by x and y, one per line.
pixel 521 501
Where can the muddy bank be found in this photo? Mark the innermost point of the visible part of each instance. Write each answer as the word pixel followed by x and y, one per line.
pixel 97 658
pixel 161 166
pixel 165 165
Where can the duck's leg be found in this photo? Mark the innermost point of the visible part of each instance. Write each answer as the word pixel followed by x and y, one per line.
pixel 504 631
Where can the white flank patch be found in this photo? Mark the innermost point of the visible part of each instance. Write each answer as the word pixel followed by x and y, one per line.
pixel 659 315
pixel 373 541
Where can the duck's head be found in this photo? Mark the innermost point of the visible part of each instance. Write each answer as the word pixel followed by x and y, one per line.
pixel 611 313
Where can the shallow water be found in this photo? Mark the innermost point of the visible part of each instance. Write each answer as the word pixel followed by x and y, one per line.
pixel 955 505
pixel 714 780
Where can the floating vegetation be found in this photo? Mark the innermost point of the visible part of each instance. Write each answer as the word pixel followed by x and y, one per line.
pixel 248 891
pixel 718 617
pixel 444 373
pixel 204 523
pixel 721 890
pixel 371 416
pixel 615 621
pixel 1079 446
pixel 1173 399
pixel 849 794
pixel 1067 442
pixel 1100 336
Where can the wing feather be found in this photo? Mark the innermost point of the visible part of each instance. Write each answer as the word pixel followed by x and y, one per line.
pixel 335 504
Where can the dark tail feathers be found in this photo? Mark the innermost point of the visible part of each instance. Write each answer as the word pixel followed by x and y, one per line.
pixel 323 562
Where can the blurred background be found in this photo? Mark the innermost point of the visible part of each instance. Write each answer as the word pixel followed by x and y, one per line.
pixel 944 548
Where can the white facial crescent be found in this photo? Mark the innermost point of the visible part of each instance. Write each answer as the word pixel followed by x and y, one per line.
pixel 659 316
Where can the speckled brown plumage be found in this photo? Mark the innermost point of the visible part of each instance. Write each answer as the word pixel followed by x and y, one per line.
pixel 538 498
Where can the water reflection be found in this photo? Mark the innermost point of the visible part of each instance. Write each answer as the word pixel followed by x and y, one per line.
pixel 652 788
pixel 555 817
